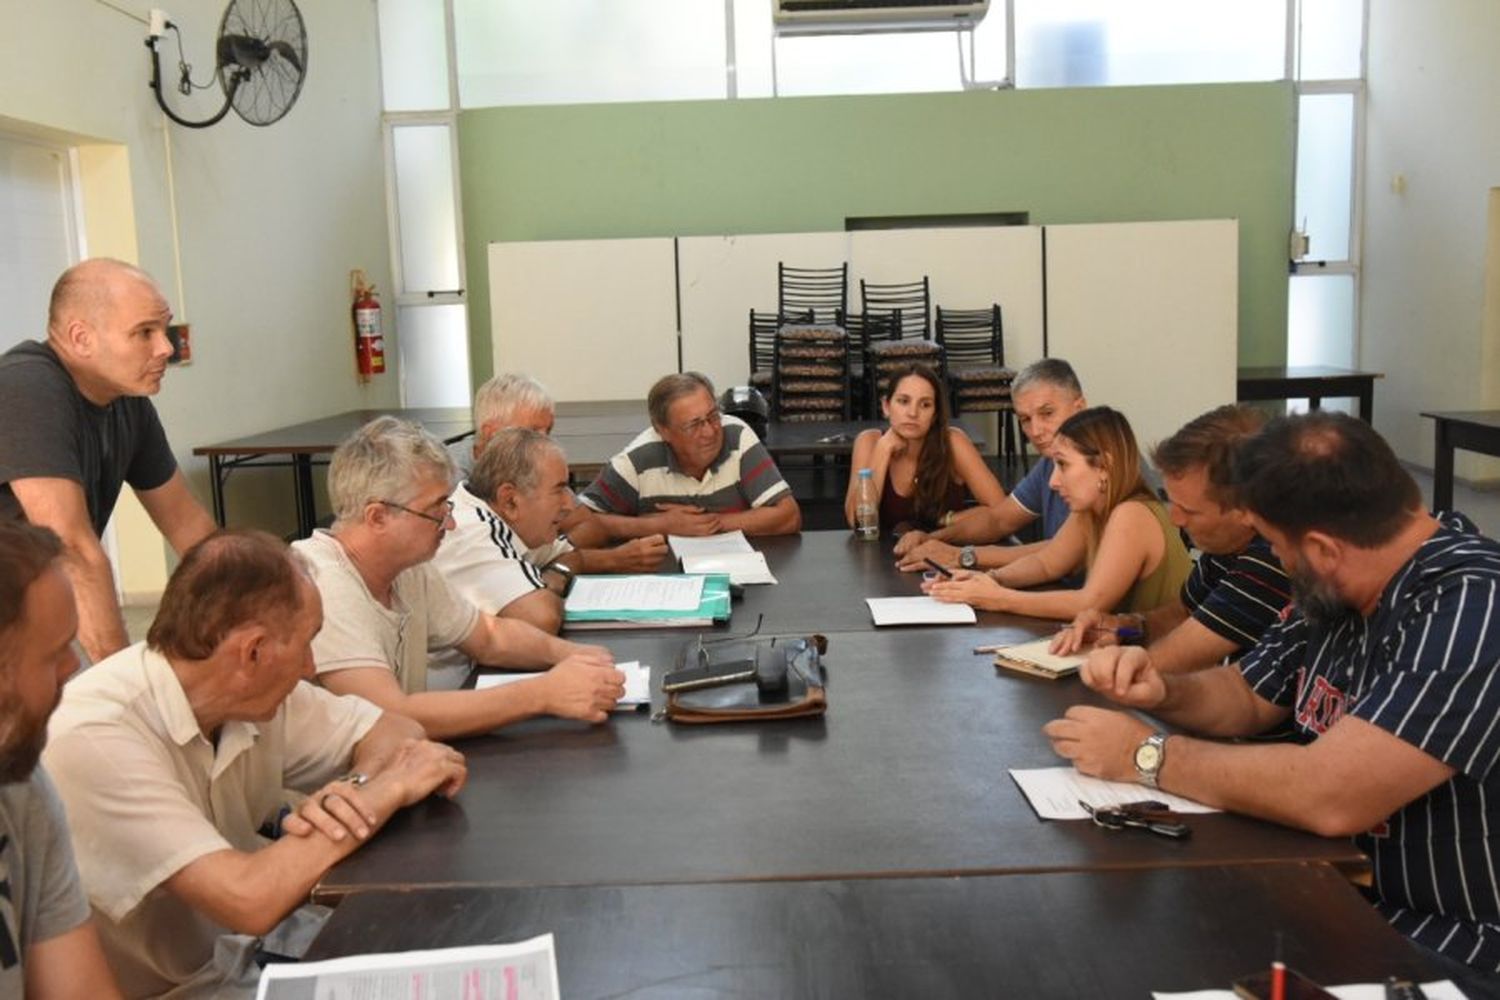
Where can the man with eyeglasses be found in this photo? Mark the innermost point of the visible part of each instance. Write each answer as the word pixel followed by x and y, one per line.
pixel 387 608
pixel 694 471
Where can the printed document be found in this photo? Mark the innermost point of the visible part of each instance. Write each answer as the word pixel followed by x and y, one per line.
pixel 637 682
pixel 523 971
pixel 1054 792
pixel 728 544
pixel 742 567
pixel 1441 989
pixel 636 593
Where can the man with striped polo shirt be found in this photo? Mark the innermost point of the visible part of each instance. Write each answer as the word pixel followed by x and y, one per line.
pixel 694 471
pixel 1237 589
pixel 1386 669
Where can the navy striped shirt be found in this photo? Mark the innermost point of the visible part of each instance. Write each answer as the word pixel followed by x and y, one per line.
pixel 1425 667
pixel 1238 596
pixel 646 475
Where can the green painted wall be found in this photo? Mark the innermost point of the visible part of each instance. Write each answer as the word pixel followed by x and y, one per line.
pixel 1117 154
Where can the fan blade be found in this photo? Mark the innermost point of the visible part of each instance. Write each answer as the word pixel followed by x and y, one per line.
pixel 287 52
pixel 242 50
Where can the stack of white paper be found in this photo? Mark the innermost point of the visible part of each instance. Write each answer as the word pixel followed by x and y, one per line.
pixel 1055 793
pixel 728 544
pixel 637 682
pixel 919 611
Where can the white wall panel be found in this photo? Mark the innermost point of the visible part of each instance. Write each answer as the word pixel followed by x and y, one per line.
pixel 1146 313
pixel 592 319
pixel 724 277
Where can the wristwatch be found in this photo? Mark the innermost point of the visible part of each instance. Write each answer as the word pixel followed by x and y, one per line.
pixel 1149 757
pixel 967 557
pixel 568 578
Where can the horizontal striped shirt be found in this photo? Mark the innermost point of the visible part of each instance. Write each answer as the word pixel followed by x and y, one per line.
pixel 1238 596
pixel 646 475
pixel 1425 667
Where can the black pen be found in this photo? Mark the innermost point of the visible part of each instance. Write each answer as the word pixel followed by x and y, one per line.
pixel 938 568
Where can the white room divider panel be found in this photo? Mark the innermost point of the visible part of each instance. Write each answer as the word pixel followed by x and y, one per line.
pixel 1147 313
pixel 593 319
pixel 723 277
pixel 968 268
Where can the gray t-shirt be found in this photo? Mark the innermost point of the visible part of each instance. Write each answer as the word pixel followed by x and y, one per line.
pixel 40 895
pixel 52 431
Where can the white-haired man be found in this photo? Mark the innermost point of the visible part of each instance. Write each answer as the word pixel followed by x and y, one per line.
pixel 509 399
pixel 505 553
pixel 387 607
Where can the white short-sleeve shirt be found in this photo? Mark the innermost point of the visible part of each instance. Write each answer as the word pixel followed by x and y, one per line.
pixel 147 794
pixel 426 616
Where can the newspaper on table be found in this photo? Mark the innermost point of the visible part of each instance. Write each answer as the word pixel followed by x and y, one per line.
pixel 526 970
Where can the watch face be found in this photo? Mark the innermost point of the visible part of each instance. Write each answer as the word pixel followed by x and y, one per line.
pixel 966 557
pixel 1147 757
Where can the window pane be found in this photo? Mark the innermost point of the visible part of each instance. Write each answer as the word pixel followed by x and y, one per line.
pixel 434 355
pixel 583 51
pixel 1320 320
pixel 413 55
pixel 1325 173
pixel 1331 33
pixel 425 208
pixel 1061 43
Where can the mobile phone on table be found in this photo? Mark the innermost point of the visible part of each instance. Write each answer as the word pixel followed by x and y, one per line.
pixel 709 675
pixel 1298 987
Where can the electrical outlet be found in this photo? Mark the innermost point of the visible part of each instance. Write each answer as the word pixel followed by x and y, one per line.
pixel 158 23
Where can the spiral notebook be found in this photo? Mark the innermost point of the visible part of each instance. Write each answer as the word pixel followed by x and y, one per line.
pixel 1033 658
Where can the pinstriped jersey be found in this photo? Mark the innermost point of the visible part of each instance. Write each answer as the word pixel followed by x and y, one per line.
pixel 646 474
pixel 1238 596
pixel 1425 667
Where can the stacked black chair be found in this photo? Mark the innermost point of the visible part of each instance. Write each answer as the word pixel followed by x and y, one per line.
pixel 978 380
pixel 820 293
pixel 810 376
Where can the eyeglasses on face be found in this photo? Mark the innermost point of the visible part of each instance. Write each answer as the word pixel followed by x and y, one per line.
pixel 445 505
pixel 713 418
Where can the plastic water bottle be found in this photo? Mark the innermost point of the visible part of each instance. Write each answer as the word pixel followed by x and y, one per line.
pixel 866 509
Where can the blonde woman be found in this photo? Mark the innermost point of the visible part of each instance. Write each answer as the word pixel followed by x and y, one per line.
pixel 1117 530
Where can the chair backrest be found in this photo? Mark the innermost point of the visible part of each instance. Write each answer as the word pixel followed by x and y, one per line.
pixel 763 326
pixel 821 291
pixel 971 336
pixel 910 299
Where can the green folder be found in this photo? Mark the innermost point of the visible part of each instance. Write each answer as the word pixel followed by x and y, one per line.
pixel 713 608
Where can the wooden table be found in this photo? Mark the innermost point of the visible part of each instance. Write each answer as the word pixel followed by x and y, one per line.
pixel 1103 934
pixel 301 446
pixel 905 777
pixel 1471 430
pixel 1313 382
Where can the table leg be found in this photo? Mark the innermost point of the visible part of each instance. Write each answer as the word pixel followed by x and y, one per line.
pixel 216 488
pixel 1314 402
pixel 1367 402
pixel 307 513
pixel 1442 468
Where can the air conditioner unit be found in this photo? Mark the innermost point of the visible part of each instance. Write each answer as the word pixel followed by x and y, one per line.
pixel 838 17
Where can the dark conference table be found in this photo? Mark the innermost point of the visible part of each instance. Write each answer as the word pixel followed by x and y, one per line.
pixel 1312 382
pixel 1061 934
pixel 300 446
pixel 906 775
pixel 1471 430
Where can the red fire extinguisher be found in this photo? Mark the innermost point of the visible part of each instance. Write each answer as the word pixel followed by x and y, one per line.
pixel 369 344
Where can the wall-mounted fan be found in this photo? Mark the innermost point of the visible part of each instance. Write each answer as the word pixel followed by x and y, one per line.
pixel 260 61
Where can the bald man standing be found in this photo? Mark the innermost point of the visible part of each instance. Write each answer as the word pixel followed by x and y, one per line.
pixel 78 426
